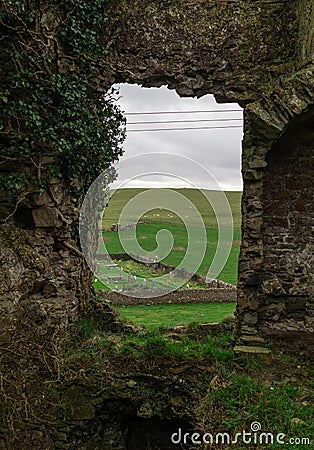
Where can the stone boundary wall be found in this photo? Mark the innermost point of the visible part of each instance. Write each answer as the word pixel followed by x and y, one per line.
pixel 214 295
pixel 212 283
pixel 118 227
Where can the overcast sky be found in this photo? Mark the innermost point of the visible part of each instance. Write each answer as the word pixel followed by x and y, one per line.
pixel 199 152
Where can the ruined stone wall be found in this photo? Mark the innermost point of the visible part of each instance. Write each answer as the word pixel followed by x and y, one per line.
pixel 257 53
pixel 228 48
pixel 288 225
pixel 276 172
pixel 42 274
pixel 305 13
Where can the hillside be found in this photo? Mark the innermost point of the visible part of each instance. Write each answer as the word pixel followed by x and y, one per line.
pixel 122 196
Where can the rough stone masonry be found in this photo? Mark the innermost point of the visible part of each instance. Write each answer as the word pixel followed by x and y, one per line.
pixel 259 54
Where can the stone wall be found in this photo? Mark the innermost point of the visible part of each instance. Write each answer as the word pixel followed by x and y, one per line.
pixel 259 54
pixel 41 267
pixel 305 12
pixel 163 268
pixel 268 200
pixel 288 225
pixel 214 295
pixel 228 48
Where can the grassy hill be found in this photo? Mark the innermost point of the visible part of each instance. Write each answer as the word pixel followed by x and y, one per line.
pixel 158 219
pixel 122 196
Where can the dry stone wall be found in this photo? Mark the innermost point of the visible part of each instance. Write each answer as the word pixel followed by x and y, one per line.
pixel 214 295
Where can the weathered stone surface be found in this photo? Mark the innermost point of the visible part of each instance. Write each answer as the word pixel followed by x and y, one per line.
pixel 253 340
pixel 77 404
pixel 273 286
pixel 251 349
pixel 250 319
pixel 248 330
pixel 219 295
pixel 259 54
pixel 40 199
pixel 257 164
pixel 196 48
pixel 45 217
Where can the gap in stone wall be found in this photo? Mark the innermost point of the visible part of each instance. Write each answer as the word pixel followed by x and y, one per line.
pixel 215 142
pixel 158 120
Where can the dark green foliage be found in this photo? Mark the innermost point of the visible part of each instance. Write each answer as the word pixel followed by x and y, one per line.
pixel 52 97
pixel 86 328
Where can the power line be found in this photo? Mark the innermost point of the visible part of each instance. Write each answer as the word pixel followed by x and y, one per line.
pixel 184 121
pixel 182 112
pixel 183 129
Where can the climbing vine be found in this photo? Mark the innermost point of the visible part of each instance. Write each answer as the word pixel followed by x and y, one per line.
pixel 52 93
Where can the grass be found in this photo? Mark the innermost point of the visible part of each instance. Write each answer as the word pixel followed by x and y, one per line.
pixel 246 398
pixel 156 316
pixel 155 343
pixel 122 196
pixel 224 393
pixel 146 237
pixel 159 219
pixel 142 272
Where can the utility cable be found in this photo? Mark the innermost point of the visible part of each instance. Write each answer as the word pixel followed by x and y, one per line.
pixel 183 121
pixel 181 112
pixel 183 129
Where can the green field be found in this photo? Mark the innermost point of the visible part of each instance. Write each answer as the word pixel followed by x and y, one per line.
pixel 122 196
pixel 146 237
pixel 159 219
pixel 143 271
pixel 157 316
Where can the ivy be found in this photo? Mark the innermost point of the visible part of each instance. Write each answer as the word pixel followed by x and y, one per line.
pixel 50 96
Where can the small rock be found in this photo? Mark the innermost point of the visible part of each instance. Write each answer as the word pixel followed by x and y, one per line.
pixel 251 349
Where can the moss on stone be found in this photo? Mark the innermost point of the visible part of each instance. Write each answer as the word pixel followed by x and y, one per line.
pixel 17 240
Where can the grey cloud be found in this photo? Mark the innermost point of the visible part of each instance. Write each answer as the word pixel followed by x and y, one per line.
pixel 217 150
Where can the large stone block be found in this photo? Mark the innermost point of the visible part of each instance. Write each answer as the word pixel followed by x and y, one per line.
pixel 45 217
